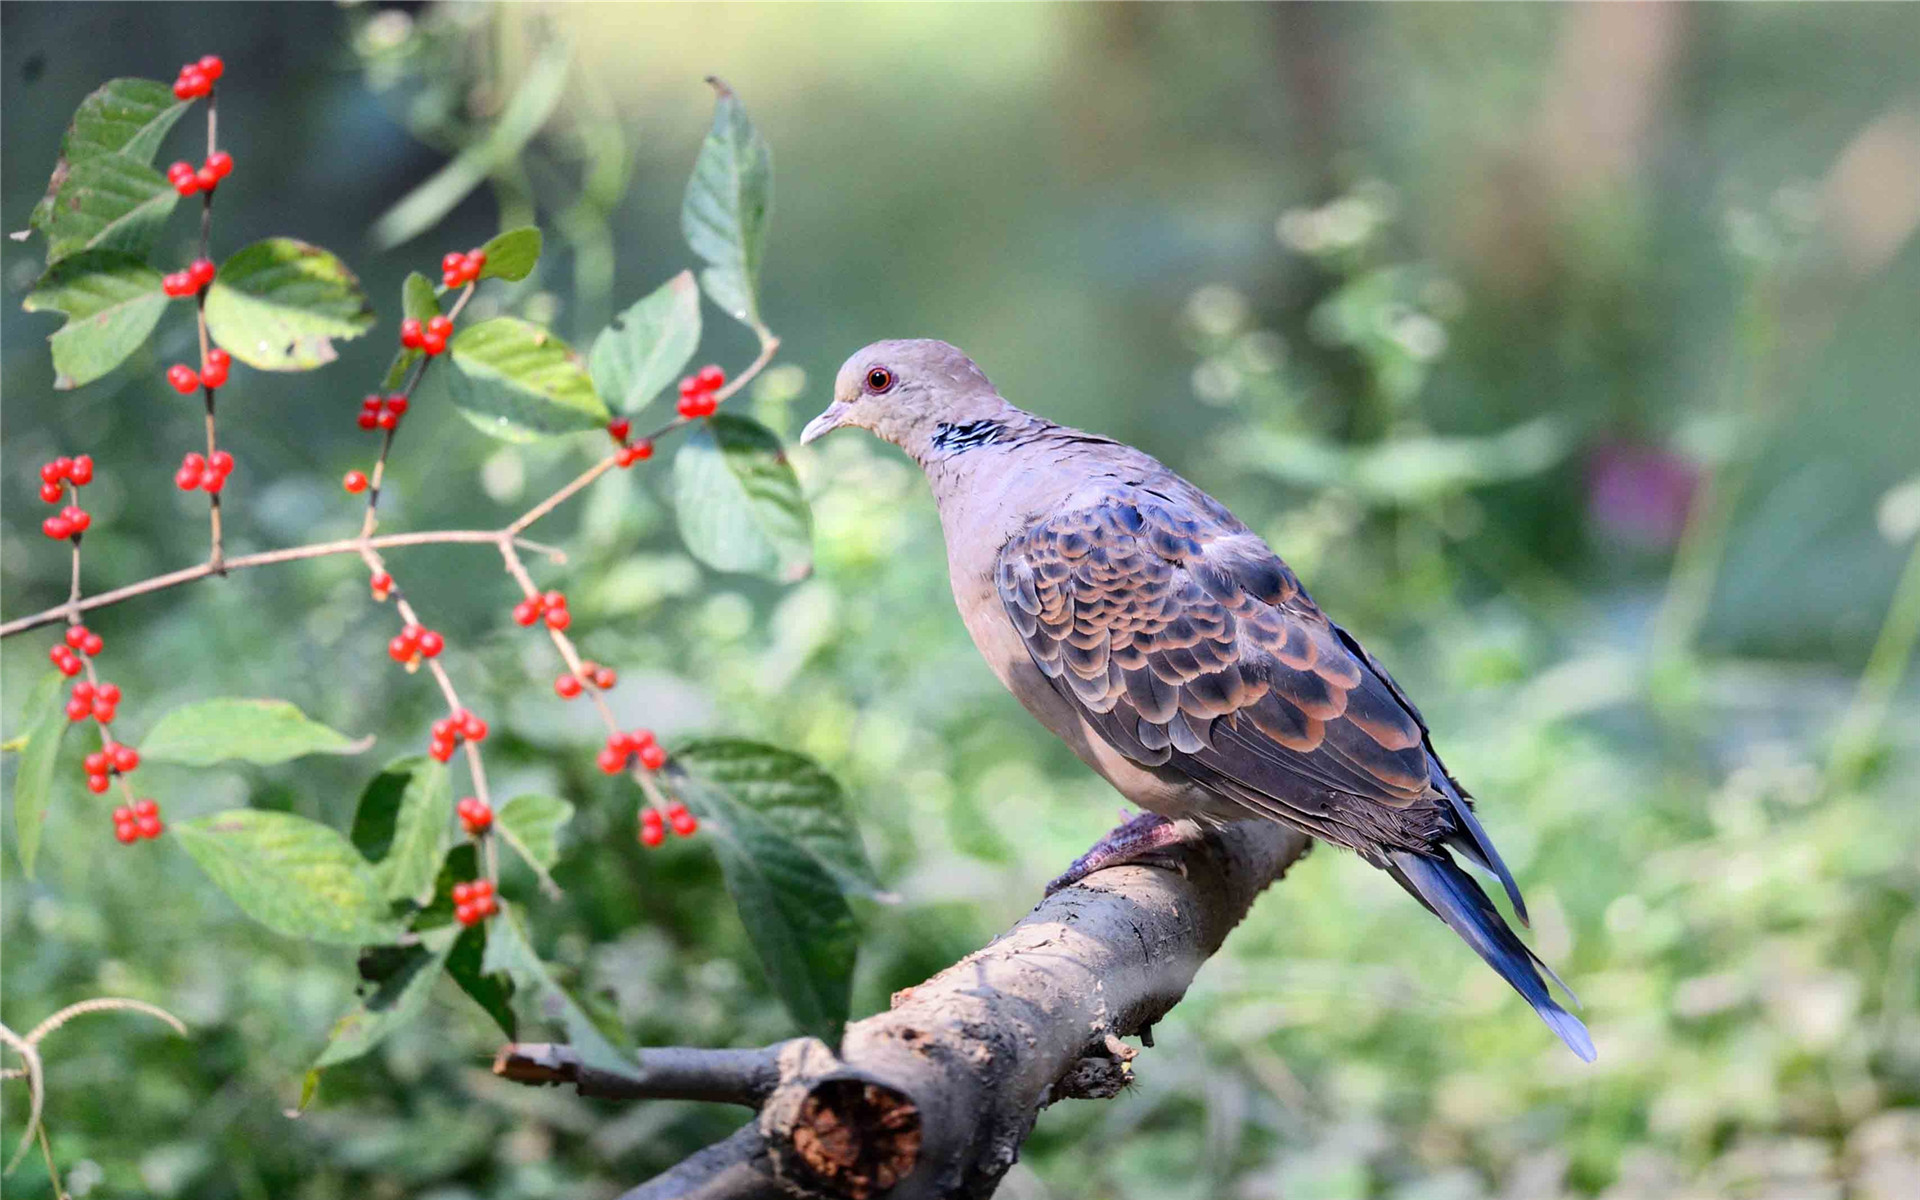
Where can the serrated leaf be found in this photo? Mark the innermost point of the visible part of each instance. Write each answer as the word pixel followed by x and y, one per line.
pixel 728 201
pixel 403 982
pixel 639 353
pixel 278 304
pixel 511 255
pixel 793 794
pixel 518 381
pixel 108 202
pixel 533 823
pixel 123 116
pixel 492 992
pixel 508 950
pixel 44 720
pixel 295 876
pixel 402 826
pixel 228 729
pixel 738 502
pixel 112 301
pixel 792 907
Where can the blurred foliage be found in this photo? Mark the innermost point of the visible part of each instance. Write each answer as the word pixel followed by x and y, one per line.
pixel 1566 353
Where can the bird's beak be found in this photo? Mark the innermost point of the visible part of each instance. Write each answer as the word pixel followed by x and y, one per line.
pixel 826 422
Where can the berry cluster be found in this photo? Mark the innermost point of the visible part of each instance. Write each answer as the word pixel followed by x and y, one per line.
pixel 141 819
pixel 197 472
pixel 551 605
pixel 212 372
pixel 197 78
pixel 199 274
pixel 110 759
pixel 187 179
pixel 630 452
pixel 653 826
pixel 458 269
pixel 99 701
pixel 621 746
pixel 55 475
pixel 697 392
pixel 475 815
pixel 474 902
pixel 431 337
pixel 602 678
pixel 381 412
pixel 462 726
pixel 80 638
pixel 415 642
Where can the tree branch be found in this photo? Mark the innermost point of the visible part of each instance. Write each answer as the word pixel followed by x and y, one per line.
pixel 934 1097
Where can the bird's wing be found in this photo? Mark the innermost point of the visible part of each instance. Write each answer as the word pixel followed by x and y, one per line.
pixel 1186 642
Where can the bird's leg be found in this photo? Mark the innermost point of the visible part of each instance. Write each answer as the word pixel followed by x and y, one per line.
pixel 1142 839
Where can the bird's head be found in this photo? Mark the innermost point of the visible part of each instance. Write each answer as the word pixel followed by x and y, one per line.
pixel 905 391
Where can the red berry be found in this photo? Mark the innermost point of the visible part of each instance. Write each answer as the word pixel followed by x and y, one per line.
pixel 710 378
pixel 179 171
pixel 651 831
pixel 177 283
pixel 446 729
pixel 652 756
pixel 397 405
pixel 473 728
pixel 201 271
pixel 97 764
pixel 221 163
pixel 110 692
pixel 188 85
pixel 69 666
pixel 76 517
pixel 400 647
pixel 55 471
pixel 619 428
pixel 381 583
pixel 187 478
pixel 103 711
pixel 76 635
pixel 368 420
pixel 98 783
pixel 431 644
pixel 206 179
pixel 57 528
pixel 145 807
pixel 475 815
pixel 689 386
pixel 221 462
pixel 612 761
pixel 525 613
pixel 604 678
pixel 183 378
pixel 149 827
pixel 433 344
pixel 440 749
pixel 92 644
pixel 52 492
pixel 476 263
pixel 214 373
pixel 84 691
pixel 629 455
pixel 81 470
pixel 554 599
pixel 355 482
pixel 387 420
pixel 410 332
pixel 462 893
pixel 566 687
pixel 686 825
pixel 440 325
pixel 453 262
pixel 125 832
pixel 214 481
pixel 125 758
pixel 211 66
pixel 558 619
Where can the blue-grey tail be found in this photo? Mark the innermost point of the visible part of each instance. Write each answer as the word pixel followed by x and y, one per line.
pixel 1453 895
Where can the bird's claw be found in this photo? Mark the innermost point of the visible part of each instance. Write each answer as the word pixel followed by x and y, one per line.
pixel 1144 840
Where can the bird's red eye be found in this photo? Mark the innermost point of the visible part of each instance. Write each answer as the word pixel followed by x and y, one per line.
pixel 879 379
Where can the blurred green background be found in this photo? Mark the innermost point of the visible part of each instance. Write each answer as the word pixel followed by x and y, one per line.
pixel 1569 354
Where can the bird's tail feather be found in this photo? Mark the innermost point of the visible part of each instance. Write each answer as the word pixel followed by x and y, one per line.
pixel 1453 896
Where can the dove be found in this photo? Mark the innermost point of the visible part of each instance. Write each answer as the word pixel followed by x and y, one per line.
pixel 1148 628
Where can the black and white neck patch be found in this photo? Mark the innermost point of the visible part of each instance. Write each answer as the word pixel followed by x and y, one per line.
pixel 950 439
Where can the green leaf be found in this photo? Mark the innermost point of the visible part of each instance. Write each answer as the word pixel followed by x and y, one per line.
pixel 638 355
pixel 533 824
pixel 109 202
pixel 511 255
pixel 517 380
pixel 792 906
pixel 402 826
pixel 256 731
pixel 507 950
pixel 738 501
pixel 123 116
pixel 403 978
pixel 112 301
pixel 279 303
pixel 295 876
pixel 498 151
pixel 492 992
pixel 419 301
pixel 724 215
pixel 793 794
pixel 45 721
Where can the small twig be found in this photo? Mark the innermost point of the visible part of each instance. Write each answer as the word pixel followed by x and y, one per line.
pixel 744 1077
pixel 215 553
